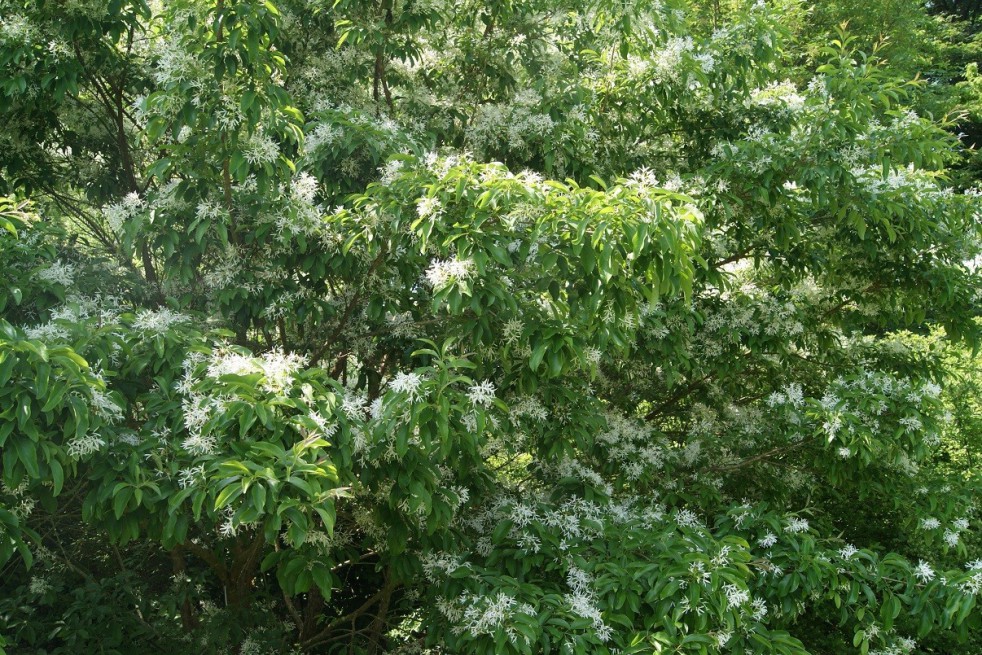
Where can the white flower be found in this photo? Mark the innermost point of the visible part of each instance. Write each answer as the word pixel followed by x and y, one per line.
pixel 132 202
pixel 353 405
pixel 848 551
pixel 796 525
pixel 930 523
pixel 706 61
pixel 923 572
pixel 58 273
pixel 407 383
pixel 158 320
pixel 117 214
pixel 482 393
pixel 776 398
pixel 767 540
pixel 87 444
pixel 912 423
pixel 735 597
pixel 427 207
pixel 443 272
pixel 49 332
pixel 260 149
pixel 228 528
pixel 687 519
pixel 231 363
pixel 39 586
pixel 973 585
pixel 512 330
pixel 199 444
pixel 326 429
pixel 187 477
pixel 482 615
pixel 279 369
pixel 304 188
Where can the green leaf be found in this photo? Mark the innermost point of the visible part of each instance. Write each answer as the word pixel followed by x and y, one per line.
pixel 327 513
pixel 57 476
pixel 228 495
pixel 120 500
pixel 302 485
pixel 257 494
pixel 27 454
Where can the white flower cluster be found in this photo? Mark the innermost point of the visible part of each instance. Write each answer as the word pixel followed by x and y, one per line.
pixel 82 446
pixel 39 586
pixel 105 406
pixel 436 566
pixel 583 602
pixel 429 207
pixel 407 383
pixel 442 273
pixel 796 525
pixel 117 214
pixel 190 476
pixel 923 572
pixel 633 445
pixel 58 272
pixel 848 413
pixel 902 646
pixel 482 393
pixel 231 363
pixel 782 95
pixel 767 540
pixel 512 331
pixel 687 519
pixel 903 180
pixel 159 320
pixel 76 311
pixel 277 367
pixel 197 409
pixel 735 596
pixel 513 126
pixel 49 332
pixel 952 534
pixel 847 551
pixel 791 395
pixel 529 407
pixel 479 615
pixel 174 64
pixel 17 28
pixel 666 65
pixel 260 149
pixel 321 136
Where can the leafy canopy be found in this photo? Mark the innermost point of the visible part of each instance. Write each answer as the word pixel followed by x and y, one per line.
pixel 576 327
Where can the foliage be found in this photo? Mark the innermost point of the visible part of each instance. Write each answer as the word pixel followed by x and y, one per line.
pixel 578 327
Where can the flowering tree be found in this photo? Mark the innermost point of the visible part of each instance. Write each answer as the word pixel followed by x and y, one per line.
pixel 573 327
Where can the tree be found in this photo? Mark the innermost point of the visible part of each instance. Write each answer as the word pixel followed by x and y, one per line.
pixel 566 327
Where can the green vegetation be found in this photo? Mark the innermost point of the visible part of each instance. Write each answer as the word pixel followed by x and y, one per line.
pixel 573 327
